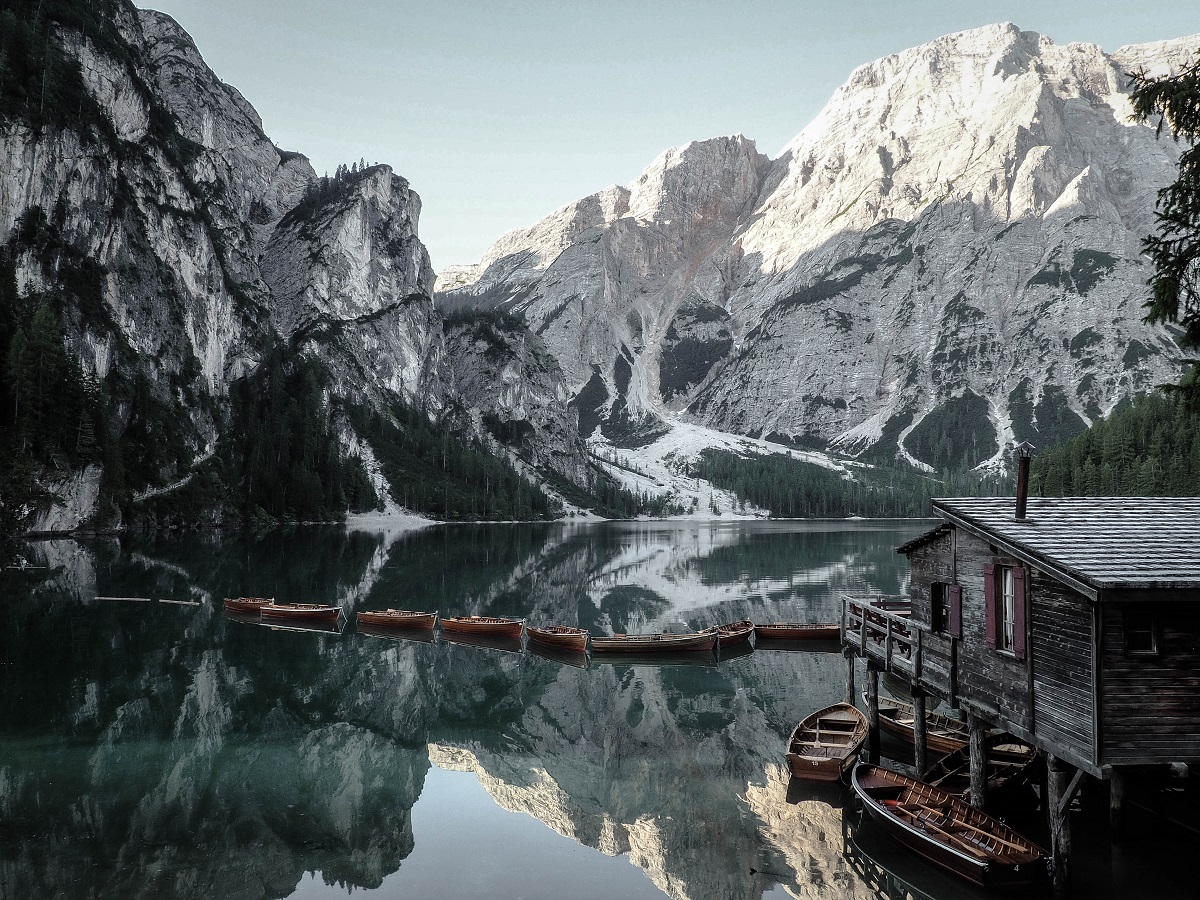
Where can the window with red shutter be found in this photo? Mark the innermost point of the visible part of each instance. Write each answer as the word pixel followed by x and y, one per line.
pixel 989 602
pixel 1020 612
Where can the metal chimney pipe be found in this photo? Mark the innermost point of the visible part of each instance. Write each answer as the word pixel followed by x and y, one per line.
pixel 1024 454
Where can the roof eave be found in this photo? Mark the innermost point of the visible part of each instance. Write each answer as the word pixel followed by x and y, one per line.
pixel 1076 580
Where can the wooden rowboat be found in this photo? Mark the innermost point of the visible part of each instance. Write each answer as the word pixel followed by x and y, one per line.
pixel 492 626
pixel 946 831
pixel 1011 764
pixel 247 604
pixel 301 611
pixel 397 618
pixel 942 733
pixel 656 643
pixel 734 633
pixel 798 631
pixel 563 637
pixel 825 744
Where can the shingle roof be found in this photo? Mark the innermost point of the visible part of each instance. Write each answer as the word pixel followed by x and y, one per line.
pixel 1104 542
pixel 925 538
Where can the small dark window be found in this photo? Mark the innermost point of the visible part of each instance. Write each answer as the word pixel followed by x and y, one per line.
pixel 1141 633
pixel 939 596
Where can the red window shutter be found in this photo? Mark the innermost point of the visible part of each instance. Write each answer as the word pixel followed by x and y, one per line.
pixel 989 602
pixel 955 591
pixel 1019 612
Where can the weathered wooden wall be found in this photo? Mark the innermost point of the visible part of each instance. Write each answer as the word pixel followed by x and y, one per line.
pixel 1061 655
pixel 1150 706
pixel 931 561
pixel 990 679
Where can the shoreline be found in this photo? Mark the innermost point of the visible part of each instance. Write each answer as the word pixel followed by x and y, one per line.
pixel 406 522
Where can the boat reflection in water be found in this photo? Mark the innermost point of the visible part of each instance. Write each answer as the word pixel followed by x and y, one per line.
pixel 564 657
pixel 403 635
pixel 696 659
pixel 483 641
pixel 735 651
pixel 318 626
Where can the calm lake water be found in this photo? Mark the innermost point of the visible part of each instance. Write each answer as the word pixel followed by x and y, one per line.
pixel 163 749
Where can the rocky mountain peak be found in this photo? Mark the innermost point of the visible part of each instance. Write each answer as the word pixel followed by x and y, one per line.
pixel 699 183
pixel 952 246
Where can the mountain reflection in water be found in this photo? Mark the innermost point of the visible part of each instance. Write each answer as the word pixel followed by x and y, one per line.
pixel 166 750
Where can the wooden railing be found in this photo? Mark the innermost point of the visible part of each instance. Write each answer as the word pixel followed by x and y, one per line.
pixel 880 630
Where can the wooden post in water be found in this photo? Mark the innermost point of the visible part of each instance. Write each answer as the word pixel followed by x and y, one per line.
pixel 850 698
pixel 977 730
pixel 919 732
pixel 1057 778
pixel 872 713
pixel 1116 804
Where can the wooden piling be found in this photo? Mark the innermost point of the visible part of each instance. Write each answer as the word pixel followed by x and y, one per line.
pixel 872 713
pixel 1058 803
pixel 1116 804
pixel 919 731
pixel 850 697
pixel 977 730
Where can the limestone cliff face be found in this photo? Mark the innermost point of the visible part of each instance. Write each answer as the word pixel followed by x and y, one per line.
pixel 957 233
pixel 350 280
pixel 182 242
pixel 506 376
pixel 601 280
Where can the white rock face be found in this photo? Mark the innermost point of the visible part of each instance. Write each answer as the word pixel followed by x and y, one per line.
pixel 204 244
pixel 78 496
pixel 516 389
pixel 350 280
pixel 601 280
pixel 957 232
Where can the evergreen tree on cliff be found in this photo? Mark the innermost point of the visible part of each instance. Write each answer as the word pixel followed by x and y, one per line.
pixel 1175 249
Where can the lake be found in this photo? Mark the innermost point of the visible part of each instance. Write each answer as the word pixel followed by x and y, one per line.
pixel 164 749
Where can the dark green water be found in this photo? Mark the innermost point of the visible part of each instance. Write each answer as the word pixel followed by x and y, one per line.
pixel 165 750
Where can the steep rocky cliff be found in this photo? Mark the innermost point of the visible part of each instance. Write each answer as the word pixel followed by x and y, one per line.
pixel 177 245
pixel 505 375
pixel 945 260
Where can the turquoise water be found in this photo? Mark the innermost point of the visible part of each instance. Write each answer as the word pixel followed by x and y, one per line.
pixel 163 749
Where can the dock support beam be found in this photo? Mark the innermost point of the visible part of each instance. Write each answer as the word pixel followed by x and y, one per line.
pixel 872 713
pixel 850 698
pixel 977 729
pixel 1116 804
pixel 1058 777
pixel 919 730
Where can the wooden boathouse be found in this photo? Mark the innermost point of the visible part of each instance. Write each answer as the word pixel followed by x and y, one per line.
pixel 1072 623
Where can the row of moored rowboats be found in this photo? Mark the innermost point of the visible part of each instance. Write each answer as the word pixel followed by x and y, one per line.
pixel 558 637
pixel 930 815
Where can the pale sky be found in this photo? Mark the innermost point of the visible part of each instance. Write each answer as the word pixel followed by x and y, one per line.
pixel 500 111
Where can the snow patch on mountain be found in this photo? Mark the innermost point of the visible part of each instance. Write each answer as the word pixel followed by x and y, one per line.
pixel 661 468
